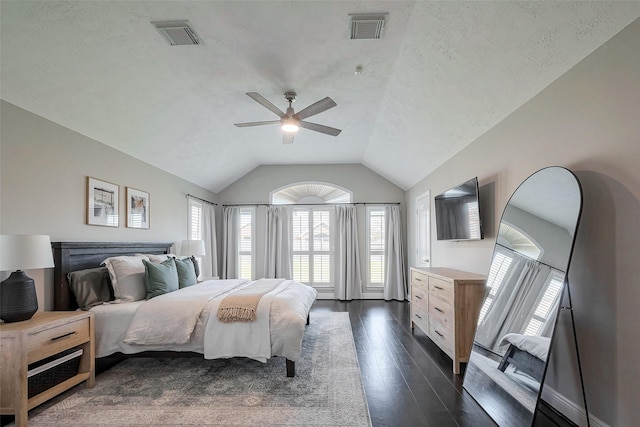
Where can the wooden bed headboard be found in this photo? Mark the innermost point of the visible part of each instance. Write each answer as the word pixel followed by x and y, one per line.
pixel 72 256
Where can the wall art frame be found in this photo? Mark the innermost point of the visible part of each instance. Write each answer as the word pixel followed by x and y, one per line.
pixel 138 208
pixel 103 203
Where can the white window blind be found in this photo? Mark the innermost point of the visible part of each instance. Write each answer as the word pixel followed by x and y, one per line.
pixel 245 244
pixel 497 272
pixel 312 230
pixel 195 220
pixel 376 244
pixel 546 305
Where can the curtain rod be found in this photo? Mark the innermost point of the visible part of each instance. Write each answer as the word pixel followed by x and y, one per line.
pixel 202 200
pixel 528 257
pixel 316 204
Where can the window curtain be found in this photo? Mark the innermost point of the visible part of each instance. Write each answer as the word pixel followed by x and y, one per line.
pixel 347 275
pixel 230 215
pixel 278 243
pixel 209 262
pixel 511 310
pixel 395 284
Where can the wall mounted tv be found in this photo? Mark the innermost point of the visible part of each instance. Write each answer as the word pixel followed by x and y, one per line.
pixel 458 213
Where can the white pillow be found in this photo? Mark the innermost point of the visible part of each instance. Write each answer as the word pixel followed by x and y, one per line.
pixel 127 277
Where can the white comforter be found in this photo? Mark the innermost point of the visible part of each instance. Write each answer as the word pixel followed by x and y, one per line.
pixel 278 331
pixel 536 346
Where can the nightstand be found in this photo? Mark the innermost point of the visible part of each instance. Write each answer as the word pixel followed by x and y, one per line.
pixel 46 335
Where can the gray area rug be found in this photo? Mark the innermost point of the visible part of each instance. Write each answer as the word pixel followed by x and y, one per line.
pixel 326 391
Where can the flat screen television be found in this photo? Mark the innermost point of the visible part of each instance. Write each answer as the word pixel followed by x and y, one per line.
pixel 458 213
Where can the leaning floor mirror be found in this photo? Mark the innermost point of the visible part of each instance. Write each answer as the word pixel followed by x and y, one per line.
pixel 525 286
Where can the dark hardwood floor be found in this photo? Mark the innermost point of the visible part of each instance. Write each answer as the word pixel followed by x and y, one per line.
pixel 408 380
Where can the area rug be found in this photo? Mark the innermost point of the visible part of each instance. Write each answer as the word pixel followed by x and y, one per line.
pixel 326 391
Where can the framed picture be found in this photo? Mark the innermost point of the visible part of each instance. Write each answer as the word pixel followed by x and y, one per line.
pixel 102 203
pixel 137 208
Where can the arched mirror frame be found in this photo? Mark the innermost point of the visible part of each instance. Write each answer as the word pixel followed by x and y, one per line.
pixel 508 410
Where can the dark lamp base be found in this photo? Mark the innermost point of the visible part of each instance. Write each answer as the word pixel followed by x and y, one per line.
pixel 18 300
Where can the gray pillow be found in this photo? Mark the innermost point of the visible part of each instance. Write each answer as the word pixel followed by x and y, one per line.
pixel 160 278
pixel 186 272
pixel 91 287
pixel 196 267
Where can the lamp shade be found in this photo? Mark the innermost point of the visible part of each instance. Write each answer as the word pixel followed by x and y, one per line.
pixel 25 252
pixel 192 247
pixel 18 299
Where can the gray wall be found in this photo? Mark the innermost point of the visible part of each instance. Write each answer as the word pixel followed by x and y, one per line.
pixel 587 121
pixel 43 170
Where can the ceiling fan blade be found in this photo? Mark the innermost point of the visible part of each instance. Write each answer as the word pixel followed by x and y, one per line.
pixel 320 128
pixel 318 107
pixel 244 125
pixel 288 138
pixel 266 103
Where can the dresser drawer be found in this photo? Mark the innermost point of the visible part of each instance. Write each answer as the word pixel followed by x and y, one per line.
pixel 55 336
pixel 442 311
pixel 443 289
pixel 420 297
pixel 441 335
pixel 421 319
pixel 418 278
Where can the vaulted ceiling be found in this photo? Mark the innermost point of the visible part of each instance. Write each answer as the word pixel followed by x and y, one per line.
pixel 442 74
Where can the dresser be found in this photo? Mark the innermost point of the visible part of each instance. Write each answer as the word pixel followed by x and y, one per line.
pixel 46 337
pixel 445 305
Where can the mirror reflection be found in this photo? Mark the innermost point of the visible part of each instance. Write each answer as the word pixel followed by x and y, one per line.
pixel 524 289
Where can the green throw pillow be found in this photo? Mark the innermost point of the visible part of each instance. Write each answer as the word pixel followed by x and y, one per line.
pixel 160 278
pixel 186 272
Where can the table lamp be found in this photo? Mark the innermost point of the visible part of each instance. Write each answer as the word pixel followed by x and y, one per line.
pixel 18 300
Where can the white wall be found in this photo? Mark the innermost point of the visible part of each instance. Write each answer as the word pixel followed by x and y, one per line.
pixel 588 121
pixel 43 170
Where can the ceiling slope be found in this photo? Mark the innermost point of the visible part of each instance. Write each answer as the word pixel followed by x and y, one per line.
pixel 442 75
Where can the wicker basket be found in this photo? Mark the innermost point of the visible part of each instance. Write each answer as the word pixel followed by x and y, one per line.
pixel 49 372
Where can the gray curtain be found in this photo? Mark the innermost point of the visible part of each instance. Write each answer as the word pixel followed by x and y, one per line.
pixel 278 243
pixel 209 265
pixel 395 284
pixel 515 300
pixel 230 236
pixel 347 275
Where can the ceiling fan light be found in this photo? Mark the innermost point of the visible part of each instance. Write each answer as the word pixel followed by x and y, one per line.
pixel 290 125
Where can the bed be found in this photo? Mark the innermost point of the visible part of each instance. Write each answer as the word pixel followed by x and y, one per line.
pixel 526 354
pixel 122 329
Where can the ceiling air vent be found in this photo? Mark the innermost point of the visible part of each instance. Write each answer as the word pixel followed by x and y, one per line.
pixel 367 26
pixel 177 33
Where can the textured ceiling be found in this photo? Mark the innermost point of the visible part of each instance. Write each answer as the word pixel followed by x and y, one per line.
pixel 444 73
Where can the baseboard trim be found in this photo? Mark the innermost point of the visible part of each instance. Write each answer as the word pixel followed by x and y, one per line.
pixel 570 409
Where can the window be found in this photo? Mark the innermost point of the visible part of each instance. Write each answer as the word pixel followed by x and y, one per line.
pixel 376 243
pixel 312 229
pixel 497 272
pixel 547 305
pixel 245 243
pixel 195 220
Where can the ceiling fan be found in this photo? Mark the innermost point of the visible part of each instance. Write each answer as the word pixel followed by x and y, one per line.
pixel 291 121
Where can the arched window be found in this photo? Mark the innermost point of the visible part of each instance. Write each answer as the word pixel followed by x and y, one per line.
pixel 312 229
pixel 310 193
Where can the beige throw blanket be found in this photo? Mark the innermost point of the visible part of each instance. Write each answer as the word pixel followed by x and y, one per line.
pixel 241 306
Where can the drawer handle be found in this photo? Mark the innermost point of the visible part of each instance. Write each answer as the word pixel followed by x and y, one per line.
pixel 417 279
pixel 68 334
pixel 441 336
pixel 418 316
pixel 418 297
pixel 437 309
pixel 438 287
